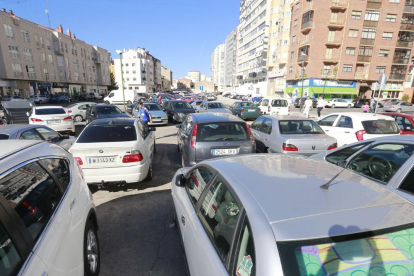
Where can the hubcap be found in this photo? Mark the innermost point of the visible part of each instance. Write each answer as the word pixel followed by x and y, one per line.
pixel 92 251
pixel 78 119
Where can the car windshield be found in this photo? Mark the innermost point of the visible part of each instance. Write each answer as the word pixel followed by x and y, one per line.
pixel 387 252
pixel 299 127
pixel 215 105
pixel 223 131
pixel 152 107
pixel 381 127
pixel 107 110
pixel 248 104
pixel 181 105
pixel 108 133
pixel 50 111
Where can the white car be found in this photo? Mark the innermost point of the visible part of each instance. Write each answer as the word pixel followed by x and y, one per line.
pixel 48 222
pixel 332 103
pixel 115 151
pixel 41 99
pixel 352 126
pixel 275 106
pixel 78 110
pixel 55 117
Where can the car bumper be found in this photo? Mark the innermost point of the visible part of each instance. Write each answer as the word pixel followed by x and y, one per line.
pixel 250 116
pixel 60 127
pixel 157 123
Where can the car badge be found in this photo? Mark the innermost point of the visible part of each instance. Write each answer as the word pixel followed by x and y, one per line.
pixel 225 144
pixel 313 147
pixel 100 151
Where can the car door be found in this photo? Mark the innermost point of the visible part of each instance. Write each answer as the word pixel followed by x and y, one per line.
pixel 265 132
pixel 146 145
pixel 235 108
pixel 255 129
pixel 343 130
pixel 327 124
pixel 407 107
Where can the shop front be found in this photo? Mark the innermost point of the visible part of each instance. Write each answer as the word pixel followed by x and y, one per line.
pixel 75 90
pixel 43 88
pixel 390 90
pixel 59 88
pixel 6 88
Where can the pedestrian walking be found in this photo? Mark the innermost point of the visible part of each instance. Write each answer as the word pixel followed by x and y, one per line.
pixel 320 106
pixel 365 108
pixel 373 106
pixel 159 99
pixel 307 107
pixel 144 114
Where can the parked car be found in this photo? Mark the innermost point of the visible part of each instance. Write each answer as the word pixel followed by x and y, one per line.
pixel 211 97
pixel 245 110
pixel 131 107
pixel 333 103
pixel 189 99
pixel 41 99
pixel 215 107
pixel 391 101
pixel 11 98
pixel 203 136
pixel 226 94
pixel 115 151
pixel 93 96
pixel 383 102
pixel 46 207
pixel 233 96
pixel 240 216
pixel 141 97
pixel 159 117
pixel 361 102
pixel 275 106
pixel 353 126
pixel 118 97
pixel 404 121
pixel 60 99
pixel 104 111
pixel 177 110
pixel 195 103
pixel 55 117
pixel 290 135
pixel 399 107
pixel 78 110
pixel 301 101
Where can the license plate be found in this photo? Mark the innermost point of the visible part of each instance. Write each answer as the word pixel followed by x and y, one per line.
pixel 101 160
pixel 250 110
pixel 224 151
pixel 53 122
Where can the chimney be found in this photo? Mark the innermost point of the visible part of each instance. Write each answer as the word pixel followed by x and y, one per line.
pixel 68 33
pixel 60 29
pixel 11 12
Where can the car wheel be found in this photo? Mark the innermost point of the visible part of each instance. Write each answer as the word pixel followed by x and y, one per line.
pixel 333 106
pixel 77 119
pixel 91 254
pixel 399 110
pixel 349 106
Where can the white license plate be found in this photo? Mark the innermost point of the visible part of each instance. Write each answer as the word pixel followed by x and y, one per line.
pixel 53 122
pixel 250 110
pixel 101 160
pixel 224 151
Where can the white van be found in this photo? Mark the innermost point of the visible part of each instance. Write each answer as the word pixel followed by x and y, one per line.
pixel 275 106
pixel 116 97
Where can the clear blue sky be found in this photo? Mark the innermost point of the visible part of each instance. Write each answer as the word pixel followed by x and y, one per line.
pixel 181 33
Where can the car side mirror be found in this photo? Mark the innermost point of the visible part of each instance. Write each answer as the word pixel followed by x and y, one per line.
pixel 151 128
pixel 180 180
pixel 178 126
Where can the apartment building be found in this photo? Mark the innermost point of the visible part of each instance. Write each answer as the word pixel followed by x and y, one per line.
pixel 38 60
pixel 252 47
pixel 141 71
pixel 230 61
pixel 340 48
pixel 195 75
pixel 278 44
pixel 167 78
pixel 218 67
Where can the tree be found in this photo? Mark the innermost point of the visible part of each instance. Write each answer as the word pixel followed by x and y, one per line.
pixel 114 85
pixel 405 98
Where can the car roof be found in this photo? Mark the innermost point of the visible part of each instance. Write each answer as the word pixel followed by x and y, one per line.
pixel 214 117
pixel 287 191
pixel 8 147
pixel 362 115
pixel 175 101
pixel 104 105
pixel 287 117
pixel 114 121
pixel 397 114
pixel 8 129
pixel 47 106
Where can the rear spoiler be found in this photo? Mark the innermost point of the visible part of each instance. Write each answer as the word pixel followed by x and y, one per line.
pixel 15 111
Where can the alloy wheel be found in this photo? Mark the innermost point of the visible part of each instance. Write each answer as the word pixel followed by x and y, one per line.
pixel 78 118
pixel 92 251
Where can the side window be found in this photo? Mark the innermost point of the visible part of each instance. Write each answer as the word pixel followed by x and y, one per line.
pixel 196 182
pixel 245 258
pixel 48 134
pixel 143 130
pixel 184 125
pixel 219 213
pixel 60 168
pixel 266 126
pixel 190 124
pixel 265 102
pixel 408 183
pixel 30 134
pixel 256 124
pixel 328 121
pixel 402 122
pixel 345 122
pixel 10 259
pixel 343 154
pixel 33 194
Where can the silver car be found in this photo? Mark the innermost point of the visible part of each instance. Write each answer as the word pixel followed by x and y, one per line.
pixel 399 107
pixel 215 107
pixel 159 117
pixel 289 215
pixel 78 110
pixel 209 135
pixel 290 135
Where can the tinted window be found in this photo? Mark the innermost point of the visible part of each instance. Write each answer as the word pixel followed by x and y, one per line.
pixel 29 134
pixel 181 105
pixel 151 107
pixel 49 134
pixel 345 122
pixel 343 154
pixel 50 111
pixel 328 121
pixel 107 133
pixel 279 103
pixel 408 183
pixel 224 131
pixel 33 194
pixel 196 182
pixel 381 127
pixel 267 126
pixel 60 168
pixel 245 262
pixel 10 259
pixel 215 105
pixel 299 127
pixel 402 122
pixel 219 213
pixel 256 124
pixel 107 110
pixel 244 104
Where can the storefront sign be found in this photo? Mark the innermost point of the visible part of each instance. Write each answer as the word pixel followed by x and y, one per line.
pixel 58 85
pixel 4 83
pixel 322 83
pixel 43 84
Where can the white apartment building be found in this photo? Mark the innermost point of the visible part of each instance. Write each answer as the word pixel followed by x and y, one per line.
pixel 141 71
pixel 230 59
pixel 218 67
pixel 252 47
pixel 39 60
pixel 194 75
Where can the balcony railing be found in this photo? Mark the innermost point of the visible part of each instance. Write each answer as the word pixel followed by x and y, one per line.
pixel 408 8
pixel 307 25
pixel 330 60
pixel 336 23
pixel 397 76
pixel 407 26
pixel 360 76
pixel 364 59
pixel 333 41
pixel 368 23
pixel 373 4
pixel 401 60
pixel 405 44
pixel 31 75
pixel 303 58
pixel 336 4
pixel 367 41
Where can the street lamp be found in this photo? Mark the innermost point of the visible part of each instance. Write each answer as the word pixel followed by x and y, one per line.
pixel 119 52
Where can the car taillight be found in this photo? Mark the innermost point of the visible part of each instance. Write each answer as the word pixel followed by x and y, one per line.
pixel 360 135
pixel 78 160
pixel 67 118
pixel 260 111
pixel 194 137
pixel 333 146
pixel 35 120
pixel 268 108
pixel 70 111
pixel 289 147
pixel 28 206
pixel 135 156
pixel 250 134
pixel 241 111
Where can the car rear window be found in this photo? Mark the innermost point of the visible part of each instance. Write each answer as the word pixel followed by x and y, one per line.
pixel 181 105
pixel 244 104
pixel 223 131
pixel 108 133
pixel 50 111
pixel 280 103
pixel 381 127
pixel 152 107
pixel 107 110
pixel 299 127
pixel 215 105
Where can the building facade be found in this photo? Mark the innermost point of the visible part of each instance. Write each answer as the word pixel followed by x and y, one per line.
pixel 167 78
pixel 185 83
pixel 141 71
pixel 340 48
pixel 38 60
pixel 230 59
pixel 194 75
pixel 218 66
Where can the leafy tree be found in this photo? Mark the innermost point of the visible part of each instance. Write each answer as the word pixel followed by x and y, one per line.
pixel 114 85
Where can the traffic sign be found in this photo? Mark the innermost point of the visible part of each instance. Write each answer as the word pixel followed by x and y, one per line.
pixel 383 79
pixel 201 88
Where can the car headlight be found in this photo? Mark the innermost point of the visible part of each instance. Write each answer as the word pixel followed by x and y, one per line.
pixel 164 117
pixel 180 114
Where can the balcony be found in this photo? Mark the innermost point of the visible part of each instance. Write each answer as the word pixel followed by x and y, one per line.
pixel 339 5
pixel 361 76
pixel 364 59
pixel 405 44
pixel 374 4
pixel 330 60
pixel 302 59
pixel 307 26
pixel 338 24
pixel 58 51
pixel 407 27
pixel 333 42
pixel 401 60
pixel 367 41
pixel 96 60
pixel 18 74
pixel 304 43
pixel 368 23
pixel 397 76
pixel 408 8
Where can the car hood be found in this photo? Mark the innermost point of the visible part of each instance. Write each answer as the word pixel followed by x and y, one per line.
pixel 104 116
pixel 187 110
pixel 158 113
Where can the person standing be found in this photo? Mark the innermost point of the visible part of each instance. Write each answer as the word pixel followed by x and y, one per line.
pixel 307 107
pixel 320 105
pixel 144 114
pixel 372 107
pixel 365 107
pixel 159 99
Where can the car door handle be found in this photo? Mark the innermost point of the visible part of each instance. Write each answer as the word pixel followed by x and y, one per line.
pixel 72 204
pixel 183 219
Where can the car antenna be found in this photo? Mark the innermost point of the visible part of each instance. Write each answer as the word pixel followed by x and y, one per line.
pixel 326 185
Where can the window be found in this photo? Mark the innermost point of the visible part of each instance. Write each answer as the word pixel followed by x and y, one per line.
pixel 36 198
pixel 30 134
pixel 9 31
pixel 28 54
pixel 391 18
pixel 387 36
pixel 266 126
pixel 368 33
pixel 372 15
pixel 60 168
pixel 133 64
pixel 31 73
pixel 10 259
pixel 43 57
pixel 350 51
pixel 25 36
pixel 347 68
pixel 50 59
pixel 60 61
pixel 290 69
pixel 41 42
pixel 365 51
pixel 246 258
pixel 195 183
pixel 48 44
pixel 219 214
pixel 356 15
pixel 292 55
pixel 295 22
pixel 14 51
pixel 395 1
pixel 256 124
pixel 37 40
pixel 380 69
pixel 353 33
pixel 297 6
pixel 17 70
pixel 408 183
pixel 343 154
pixel 326 69
pixel 328 121
pixel 294 39
pixel 383 53
pixel 345 122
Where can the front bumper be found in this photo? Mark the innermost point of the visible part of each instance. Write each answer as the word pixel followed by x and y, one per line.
pixel 158 123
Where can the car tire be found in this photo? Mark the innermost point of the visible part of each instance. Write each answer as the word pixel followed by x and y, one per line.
pixel 78 118
pixel 399 110
pixel 333 106
pixel 349 106
pixel 91 253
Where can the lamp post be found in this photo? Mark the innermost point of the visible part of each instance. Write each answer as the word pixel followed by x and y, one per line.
pixel 122 77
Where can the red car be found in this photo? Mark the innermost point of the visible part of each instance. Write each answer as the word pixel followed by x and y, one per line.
pixel 189 99
pixel 404 121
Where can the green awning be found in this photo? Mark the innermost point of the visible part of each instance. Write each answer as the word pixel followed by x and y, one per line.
pixel 328 90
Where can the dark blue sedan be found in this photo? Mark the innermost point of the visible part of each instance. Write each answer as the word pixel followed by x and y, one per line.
pixel 104 111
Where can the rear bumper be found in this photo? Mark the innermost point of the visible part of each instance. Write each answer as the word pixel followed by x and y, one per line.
pixel 60 127
pixel 250 116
